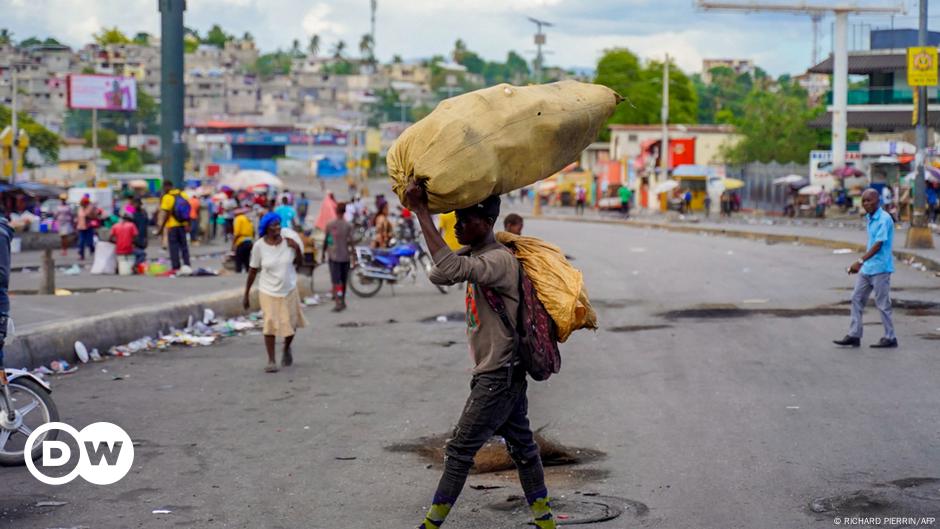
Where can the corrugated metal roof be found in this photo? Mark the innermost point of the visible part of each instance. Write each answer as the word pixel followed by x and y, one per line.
pixel 877 120
pixel 860 64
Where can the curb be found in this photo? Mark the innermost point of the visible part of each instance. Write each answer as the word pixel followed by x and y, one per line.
pixel 53 341
pixel 906 256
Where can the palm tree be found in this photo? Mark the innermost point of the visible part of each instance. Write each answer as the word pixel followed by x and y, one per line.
pixel 295 48
pixel 338 49
pixel 365 47
pixel 314 46
pixel 6 36
pixel 459 48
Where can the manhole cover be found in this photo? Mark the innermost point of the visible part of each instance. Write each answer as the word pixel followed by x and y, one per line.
pixel 577 509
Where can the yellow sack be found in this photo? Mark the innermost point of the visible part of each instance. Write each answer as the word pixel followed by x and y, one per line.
pixel 498 139
pixel 560 286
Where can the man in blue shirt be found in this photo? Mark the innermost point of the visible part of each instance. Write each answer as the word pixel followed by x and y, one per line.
pixel 286 212
pixel 874 270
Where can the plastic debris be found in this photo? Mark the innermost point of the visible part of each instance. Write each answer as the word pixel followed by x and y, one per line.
pixel 842 251
pixel 73 270
pixel 162 511
pixel 442 319
pixel 51 503
pixel 81 351
pixel 208 316
pixel 61 367
pixel 95 355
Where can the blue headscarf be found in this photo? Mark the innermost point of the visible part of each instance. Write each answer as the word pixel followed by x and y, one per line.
pixel 266 221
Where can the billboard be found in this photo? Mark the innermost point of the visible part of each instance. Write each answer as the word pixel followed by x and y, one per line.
pixel 102 92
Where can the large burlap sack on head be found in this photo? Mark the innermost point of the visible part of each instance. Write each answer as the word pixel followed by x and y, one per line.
pixel 498 139
pixel 560 286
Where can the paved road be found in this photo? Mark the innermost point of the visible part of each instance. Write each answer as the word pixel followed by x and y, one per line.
pixel 736 417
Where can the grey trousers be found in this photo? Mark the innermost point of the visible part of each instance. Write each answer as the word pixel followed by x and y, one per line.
pixel 864 285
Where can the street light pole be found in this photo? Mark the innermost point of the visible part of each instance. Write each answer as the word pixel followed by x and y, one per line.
pixel 919 236
pixel 171 90
pixel 664 142
pixel 14 154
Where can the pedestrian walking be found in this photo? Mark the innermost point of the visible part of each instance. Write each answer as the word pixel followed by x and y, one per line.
pixel 287 213
pixel 65 222
pixel 195 205
pixel 175 213
pixel 513 223
pixel 142 221
pixel 383 228
pixel 338 247
pixel 626 194
pixel 580 195
pixel 933 202
pixel 303 207
pixel 497 404
pixel 708 205
pixel 874 270
pixel 823 201
pixel 273 261
pixel 244 233
pixel 89 220
pixel 687 202
pixel 229 205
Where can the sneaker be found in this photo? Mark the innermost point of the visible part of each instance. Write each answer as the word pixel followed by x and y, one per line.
pixel 849 341
pixel 885 343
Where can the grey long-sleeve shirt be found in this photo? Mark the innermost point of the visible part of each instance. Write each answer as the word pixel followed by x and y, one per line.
pixel 491 266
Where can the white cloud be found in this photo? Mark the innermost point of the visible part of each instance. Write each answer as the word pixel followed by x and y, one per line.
pixel 317 21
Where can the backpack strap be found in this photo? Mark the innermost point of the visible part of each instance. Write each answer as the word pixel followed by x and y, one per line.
pixel 498 304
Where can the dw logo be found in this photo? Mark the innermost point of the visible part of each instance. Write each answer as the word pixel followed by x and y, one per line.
pixel 106 453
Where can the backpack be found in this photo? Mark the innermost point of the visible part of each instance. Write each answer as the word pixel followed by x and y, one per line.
pixel 535 336
pixel 182 210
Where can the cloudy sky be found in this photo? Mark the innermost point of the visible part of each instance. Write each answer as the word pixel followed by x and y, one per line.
pixel 419 28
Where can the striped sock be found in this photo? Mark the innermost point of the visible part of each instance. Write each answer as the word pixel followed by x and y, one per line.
pixel 541 510
pixel 439 510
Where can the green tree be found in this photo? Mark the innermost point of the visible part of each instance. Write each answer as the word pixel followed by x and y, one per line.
pixel 338 49
pixel 44 140
pixel 145 118
pixel 295 49
pixel 111 36
pixel 107 139
pixel 620 70
pixel 683 101
pixel 6 36
pixel 217 37
pixel 396 59
pixel 51 42
pixel 248 36
pixel 142 38
pixel 124 161
pixel 271 64
pixel 313 47
pixel 366 48
pixel 774 126
pixel 29 42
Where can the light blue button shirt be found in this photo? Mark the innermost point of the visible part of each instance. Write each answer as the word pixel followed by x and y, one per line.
pixel 880 228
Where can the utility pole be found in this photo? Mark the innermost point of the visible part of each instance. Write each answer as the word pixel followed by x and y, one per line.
pixel 173 150
pixel 14 152
pixel 539 42
pixel 919 236
pixel 664 141
pixel 817 18
pixel 373 4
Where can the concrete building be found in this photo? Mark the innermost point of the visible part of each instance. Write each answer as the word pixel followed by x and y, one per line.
pixel 739 66
pixel 627 141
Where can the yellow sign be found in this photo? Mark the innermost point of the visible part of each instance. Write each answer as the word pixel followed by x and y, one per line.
pixel 922 67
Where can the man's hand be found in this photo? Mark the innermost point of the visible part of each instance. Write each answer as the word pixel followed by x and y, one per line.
pixel 246 302
pixel 416 197
pixel 854 269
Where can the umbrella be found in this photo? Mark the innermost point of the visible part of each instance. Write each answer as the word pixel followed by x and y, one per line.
pixel 138 184
pixel 814 189
pixel 848 170
pixel 665 186
pixel 733 183
pixel 249 178
pixel 791 179
pixel 929 176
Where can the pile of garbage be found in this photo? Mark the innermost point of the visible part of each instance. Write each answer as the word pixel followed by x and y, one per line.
pixel 204 332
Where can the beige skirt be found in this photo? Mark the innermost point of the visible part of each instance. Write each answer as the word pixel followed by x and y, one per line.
pixel 282 316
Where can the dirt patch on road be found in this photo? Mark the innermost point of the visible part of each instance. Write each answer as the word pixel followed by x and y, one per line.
pixel 493 457
pixel 638 328
pixel 730 311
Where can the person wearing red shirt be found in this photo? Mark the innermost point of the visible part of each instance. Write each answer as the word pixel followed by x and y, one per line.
pixel 123 234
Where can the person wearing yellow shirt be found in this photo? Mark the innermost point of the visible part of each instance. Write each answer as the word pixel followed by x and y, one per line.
pixel 243 231
pixel 175 227
pixel 447 222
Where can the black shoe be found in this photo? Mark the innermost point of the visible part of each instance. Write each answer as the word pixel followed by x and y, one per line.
pixel 885 343
pixel 848 341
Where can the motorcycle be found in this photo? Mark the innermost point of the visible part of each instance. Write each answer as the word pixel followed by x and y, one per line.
pixel 25 404
pixel 376 266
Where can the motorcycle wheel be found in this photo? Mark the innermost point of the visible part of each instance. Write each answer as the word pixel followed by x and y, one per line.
pixel 428 265
pixel 363 286
pixel 39 409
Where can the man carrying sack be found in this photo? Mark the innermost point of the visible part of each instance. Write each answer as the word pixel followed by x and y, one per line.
pixel 497 404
